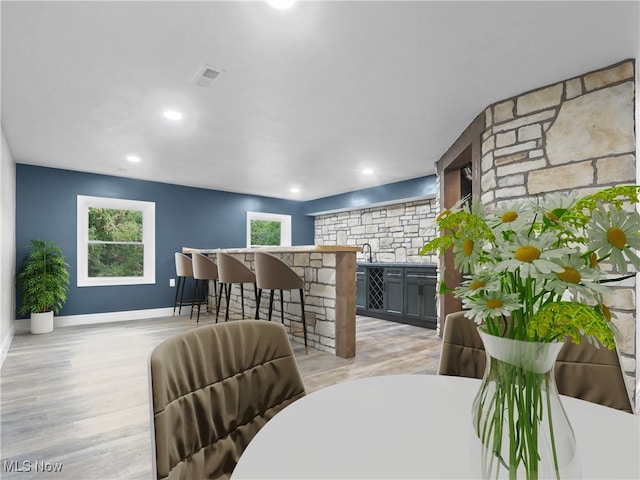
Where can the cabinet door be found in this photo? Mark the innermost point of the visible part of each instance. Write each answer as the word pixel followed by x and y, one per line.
pixel 393 290
pixel 361 288
pixel 420 295
pixel 413 297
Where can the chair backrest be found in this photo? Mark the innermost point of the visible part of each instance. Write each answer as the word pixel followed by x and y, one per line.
pixel 232 270
pixel 184 267
pixel 593 374
pixel 274 274
pixel 462 352
pixel 212 389
pixel 204 268
pixel 581 371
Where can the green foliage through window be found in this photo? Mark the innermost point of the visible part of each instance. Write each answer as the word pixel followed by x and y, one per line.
pixel 265 232
pixel 115 243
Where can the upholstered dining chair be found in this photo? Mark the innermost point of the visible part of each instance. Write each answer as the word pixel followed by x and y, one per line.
pixel 462 353
pixel 212 389
pixel 184 270
pixel 581 371
pixel 274 274
pixel 204 271
pixel 230 271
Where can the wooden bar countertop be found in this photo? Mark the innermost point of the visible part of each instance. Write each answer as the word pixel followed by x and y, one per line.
pixel 290 249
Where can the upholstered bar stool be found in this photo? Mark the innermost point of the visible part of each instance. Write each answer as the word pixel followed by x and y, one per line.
pixel 184 270
pixel 204 270
pixel 274 274
pixel 230 271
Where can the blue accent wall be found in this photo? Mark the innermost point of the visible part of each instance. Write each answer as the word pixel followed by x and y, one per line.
pixel 421 187
pixel 46 208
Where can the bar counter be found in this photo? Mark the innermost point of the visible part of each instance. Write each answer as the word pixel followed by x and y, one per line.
pixel 329 273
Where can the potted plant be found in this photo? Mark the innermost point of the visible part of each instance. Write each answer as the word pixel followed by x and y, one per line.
pixel 43 280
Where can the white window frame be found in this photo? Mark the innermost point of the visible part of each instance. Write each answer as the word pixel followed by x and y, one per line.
pixel 148 210
pixel 285 226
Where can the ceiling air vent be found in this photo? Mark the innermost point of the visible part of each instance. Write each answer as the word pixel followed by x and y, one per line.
pixel 207 75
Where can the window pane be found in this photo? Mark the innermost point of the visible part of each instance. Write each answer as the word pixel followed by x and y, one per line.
pixel 265 232
pixel 112 260
pixel 111 225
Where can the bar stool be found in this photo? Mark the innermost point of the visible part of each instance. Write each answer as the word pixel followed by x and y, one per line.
pixel 204 270
pixel 184 270
pixel 274 274
pixel 230 271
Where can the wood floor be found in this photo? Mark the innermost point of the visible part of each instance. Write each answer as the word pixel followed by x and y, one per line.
pixel 77 399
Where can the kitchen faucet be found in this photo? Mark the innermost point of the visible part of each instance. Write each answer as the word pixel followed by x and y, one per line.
pixel 370 258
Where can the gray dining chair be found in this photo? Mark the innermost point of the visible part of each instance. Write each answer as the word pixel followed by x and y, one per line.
pixel 212 389
pixel 581 370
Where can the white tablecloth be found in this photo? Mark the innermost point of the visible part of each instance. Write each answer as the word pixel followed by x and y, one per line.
pixel 415 426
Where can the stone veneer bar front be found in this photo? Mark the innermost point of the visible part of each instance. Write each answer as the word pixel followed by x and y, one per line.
pixel 329 273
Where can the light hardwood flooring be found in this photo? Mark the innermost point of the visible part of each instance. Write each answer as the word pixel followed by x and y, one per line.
pixel 79 396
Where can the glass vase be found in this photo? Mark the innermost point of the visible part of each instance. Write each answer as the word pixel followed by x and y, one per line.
pixel 517 415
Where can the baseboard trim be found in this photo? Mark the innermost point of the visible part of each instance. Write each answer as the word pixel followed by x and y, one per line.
pixel 7 343
pixel 23 324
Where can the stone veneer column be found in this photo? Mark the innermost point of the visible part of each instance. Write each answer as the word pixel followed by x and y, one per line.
pixel 329 297
pixel 576 135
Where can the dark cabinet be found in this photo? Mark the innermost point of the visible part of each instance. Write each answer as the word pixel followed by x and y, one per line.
pixel 400 292
pixel 361 288
pixel 420 295
pixel 393 291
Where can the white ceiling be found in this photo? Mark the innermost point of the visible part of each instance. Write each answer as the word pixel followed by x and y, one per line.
pixel 311 95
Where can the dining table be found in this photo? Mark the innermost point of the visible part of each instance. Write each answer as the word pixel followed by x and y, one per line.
pixel 416 426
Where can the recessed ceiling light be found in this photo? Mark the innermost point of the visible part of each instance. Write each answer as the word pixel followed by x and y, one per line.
pixel 172 115
pixel 133 158
pixel 281 4
pixel 295 190
pixel 367 171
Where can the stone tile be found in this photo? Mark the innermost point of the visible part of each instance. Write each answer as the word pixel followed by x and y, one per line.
pixel 503 111
pixel 518 167
pixel 560 178
pixel 602 78
pixel 573 88
pixel 593 125
pixel 526 120
pixel 506 138
pixel 516 157
pixel 529 132
pixel 616 169
pixel 539 100
pixel 520 147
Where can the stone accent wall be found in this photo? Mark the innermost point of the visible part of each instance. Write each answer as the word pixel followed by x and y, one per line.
pixel 396 232
pixel 576 135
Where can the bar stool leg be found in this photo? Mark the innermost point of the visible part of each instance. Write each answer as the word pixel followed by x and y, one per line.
pixel 255 292
pixel 228 295
pixel 175 300
pixel 304 321
pixel 215 295
pixel 258 298
pixel 205 294
pixel 193 300
pixel 184 280
pixel 222 287
pixel 270 303
pixel 281 308
pixel 242 299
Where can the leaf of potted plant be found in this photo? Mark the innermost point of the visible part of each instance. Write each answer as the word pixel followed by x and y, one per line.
pixel 43 280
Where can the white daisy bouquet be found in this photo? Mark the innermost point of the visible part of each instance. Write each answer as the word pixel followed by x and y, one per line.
pixel 537 270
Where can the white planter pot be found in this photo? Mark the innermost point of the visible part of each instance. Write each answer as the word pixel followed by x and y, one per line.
pixel 41 322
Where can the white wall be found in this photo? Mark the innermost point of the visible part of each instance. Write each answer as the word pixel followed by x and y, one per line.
pixel 7 246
